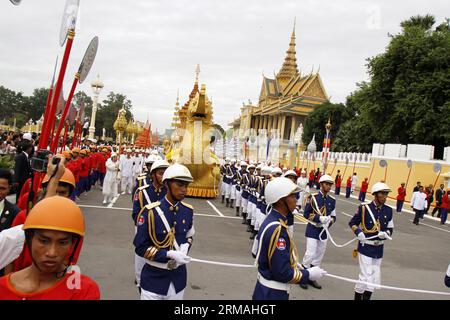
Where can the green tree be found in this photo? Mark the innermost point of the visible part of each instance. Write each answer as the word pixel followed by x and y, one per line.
pixel 108 110
pixel 316 121
pixel 35 104
pixel 407 99
pixel 12 106
pixel 81 96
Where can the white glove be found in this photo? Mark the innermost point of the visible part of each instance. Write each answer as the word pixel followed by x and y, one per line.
pixel 184 248
pixel 180 257
pixel 382 235
pixel 448 271
pixel 361 237
pixel 324 219
pixel 316 273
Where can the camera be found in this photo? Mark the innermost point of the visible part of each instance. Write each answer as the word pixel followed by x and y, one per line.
pixel 40 161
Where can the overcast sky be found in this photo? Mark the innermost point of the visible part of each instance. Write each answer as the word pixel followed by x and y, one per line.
pixel 148 49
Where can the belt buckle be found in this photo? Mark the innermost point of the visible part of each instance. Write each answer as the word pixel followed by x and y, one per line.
pixel 171 264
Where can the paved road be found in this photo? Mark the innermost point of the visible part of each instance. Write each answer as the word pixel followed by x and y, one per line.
pixel 416 258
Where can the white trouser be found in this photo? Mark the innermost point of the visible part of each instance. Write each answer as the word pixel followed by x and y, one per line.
pixel 244 205
pixel 353 187
pixel 260 217
pixel 233 192
pixel 171 294
pixel 227 190
pixel 127 184
pixel 369 271
pixel 250 211
pixel 315 250
pixel 139 263
pixel 238 198
pixel 223 188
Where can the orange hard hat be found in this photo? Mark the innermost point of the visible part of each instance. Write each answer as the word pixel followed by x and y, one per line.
pixel 77 150
pixel 83 152
pixel 104 150
pixel 56 213
pixel 87 151
pixel 67 154
pixel 67 177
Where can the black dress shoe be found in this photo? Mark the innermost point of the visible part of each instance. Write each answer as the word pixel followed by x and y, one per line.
pixel 304 286
pixel 315 284
pixel 358 296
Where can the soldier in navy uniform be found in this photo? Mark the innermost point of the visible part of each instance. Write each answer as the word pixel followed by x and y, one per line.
pixel 251 203
pixel 245 193
pixel 372 219
pixel 223 169
pixel 164 235
pixel 277 255
pixel 228 179
pixel 258 214
pixel 145 195
pixel 233 183
pixel 239 175
pixel 144 178
pixel 292 175
pixel 320 210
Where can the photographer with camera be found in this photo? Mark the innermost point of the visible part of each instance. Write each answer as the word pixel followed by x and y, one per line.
pixel 22 168
pixel 58 181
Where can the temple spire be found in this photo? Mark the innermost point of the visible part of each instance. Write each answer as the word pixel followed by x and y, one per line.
pixel 197 72
pixel 289 68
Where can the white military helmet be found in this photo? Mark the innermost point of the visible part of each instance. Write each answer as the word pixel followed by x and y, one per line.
pixel 233 160
pixel 27 136
pixel 128 150
pixel 326 178
pixel 259 167
pixel 147 151
pixel 178 172
pixel 279 188
pixel 159 164
pixel 266 170
pixel 150 159
pixel 290 173
pixel 154 152
pixel 380 186
pixel 276 170
pixel 227 159
pixel 244 164
pixel 303 171
pixel 251 166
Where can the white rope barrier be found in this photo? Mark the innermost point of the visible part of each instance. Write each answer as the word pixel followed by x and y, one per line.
pixel 377 286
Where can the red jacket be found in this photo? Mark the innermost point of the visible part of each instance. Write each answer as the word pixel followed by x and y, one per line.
pixel 338 182
pixel 444 201
pixel 311 176
pixel 102 163
pixel 85 167
pixel 364 186
pixel 349 182
pixel 401 194
pixel 74 166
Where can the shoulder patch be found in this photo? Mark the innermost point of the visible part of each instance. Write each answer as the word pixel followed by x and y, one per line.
pixel 281 244
pixel 152 205
pixel 187 205
pixel 332 197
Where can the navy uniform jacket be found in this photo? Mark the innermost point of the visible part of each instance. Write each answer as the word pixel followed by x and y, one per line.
pixel 278 258
pixel 245 184
pixel 234 178
pixel 239 175
pixel 362 222
pixel 447 281
pixel 327 207
pixel 263 204
pixel 152 242
pixel 141 180
pixel 140 200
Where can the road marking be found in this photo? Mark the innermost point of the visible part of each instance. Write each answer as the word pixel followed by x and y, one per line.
pixel 348 215
pixel 113 201
pixel 215 209
pixel 421 223
pixel 102 207
pixel 214 216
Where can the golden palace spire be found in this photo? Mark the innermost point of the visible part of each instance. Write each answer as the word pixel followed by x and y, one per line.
pixel 289 68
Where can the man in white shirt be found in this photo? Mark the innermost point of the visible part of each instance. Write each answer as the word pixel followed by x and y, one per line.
pixel 127 172
pixel 302 183
pixel 11 245
pixel 354 181
pixel 418 204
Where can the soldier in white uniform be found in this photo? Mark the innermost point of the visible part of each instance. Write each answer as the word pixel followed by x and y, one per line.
pixel 302 183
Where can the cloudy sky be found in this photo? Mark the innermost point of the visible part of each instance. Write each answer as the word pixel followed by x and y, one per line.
pixel 149 49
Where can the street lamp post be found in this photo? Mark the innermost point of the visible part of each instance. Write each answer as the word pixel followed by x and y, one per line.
pixel 97 86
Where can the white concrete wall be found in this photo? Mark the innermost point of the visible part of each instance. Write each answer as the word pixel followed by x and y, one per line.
pixel 420 152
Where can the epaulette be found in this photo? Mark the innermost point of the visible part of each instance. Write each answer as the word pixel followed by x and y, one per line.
pixel 152 205
pixel 332 197
pixel 365 203
pixel 187 205
pixel 143 187
pixel 141 177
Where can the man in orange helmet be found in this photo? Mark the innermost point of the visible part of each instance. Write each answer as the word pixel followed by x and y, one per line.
pixel 52 240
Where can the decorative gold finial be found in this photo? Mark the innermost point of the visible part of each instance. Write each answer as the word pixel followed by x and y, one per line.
pixel 197 72
pixel 328 126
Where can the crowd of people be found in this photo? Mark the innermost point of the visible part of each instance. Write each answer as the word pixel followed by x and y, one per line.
pixel 39 249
